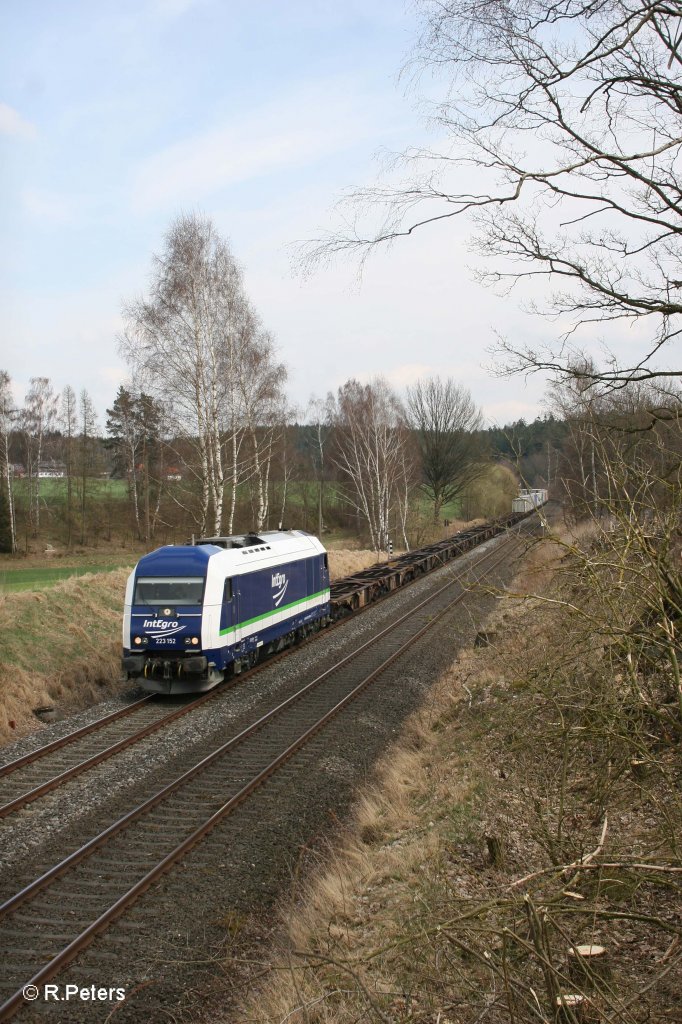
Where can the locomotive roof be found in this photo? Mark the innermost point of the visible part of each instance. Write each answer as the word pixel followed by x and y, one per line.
pixel 268 547
pixel 176 561
pixel 250 540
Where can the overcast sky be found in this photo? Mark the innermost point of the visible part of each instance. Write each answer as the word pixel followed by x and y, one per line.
pixel 117 116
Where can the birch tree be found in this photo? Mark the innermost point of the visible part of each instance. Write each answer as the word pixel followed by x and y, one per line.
pixel 371 438
pixel 68 421
pixel 87 441
pixel 7 418
pixel 38 419
pixel 178 341
pixel 188 343
pixel 320 418
pixel 261 382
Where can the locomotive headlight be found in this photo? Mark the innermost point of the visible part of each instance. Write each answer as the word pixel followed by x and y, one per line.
pixel 137 641
pixel 191 641
pixel 195 641
pixel 140 641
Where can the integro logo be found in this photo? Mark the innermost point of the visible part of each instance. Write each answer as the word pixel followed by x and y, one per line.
pixel 280 580
pixel 162 627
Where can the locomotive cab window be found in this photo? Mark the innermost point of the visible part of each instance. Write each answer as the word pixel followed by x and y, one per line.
pixel 169 590
pixel 227 593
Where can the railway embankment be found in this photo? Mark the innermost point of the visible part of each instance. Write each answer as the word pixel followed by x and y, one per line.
pixel 521 843
pixel 60 649
pixel 174 936
pixel 60 645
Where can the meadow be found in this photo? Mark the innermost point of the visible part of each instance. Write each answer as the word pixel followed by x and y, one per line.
pixel 36 577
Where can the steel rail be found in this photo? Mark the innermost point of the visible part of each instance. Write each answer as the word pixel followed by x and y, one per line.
pixel 437 551
pixel 103 755
pixel 71 737
pixel 66 955
pixel 78 855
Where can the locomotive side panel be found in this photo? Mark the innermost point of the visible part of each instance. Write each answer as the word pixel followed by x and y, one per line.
pixel 275 601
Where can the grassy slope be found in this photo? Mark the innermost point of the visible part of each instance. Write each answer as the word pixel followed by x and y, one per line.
pixel 414 920
pixel 61 645
pixel 34 577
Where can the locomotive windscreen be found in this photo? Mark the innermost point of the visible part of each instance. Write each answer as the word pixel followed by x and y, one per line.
pixel 170 590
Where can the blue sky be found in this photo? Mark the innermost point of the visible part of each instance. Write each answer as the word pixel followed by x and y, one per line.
pixel 117 116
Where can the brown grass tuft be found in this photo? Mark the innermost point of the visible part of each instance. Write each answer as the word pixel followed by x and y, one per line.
pixel 346 563
pixel 523 746
pixel 59 646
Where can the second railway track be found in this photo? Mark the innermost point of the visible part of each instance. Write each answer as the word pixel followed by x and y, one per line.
pixel 95 880
pixel 49 767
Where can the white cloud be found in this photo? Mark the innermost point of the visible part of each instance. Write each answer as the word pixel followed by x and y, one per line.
pixel 500 413
pixel 12 123
pixel 404 376
pixel 47 207
pixel 299 128
pixel 173 8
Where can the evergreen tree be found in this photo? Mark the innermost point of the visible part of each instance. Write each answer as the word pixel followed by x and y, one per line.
pixel 134 428
pixel 5 525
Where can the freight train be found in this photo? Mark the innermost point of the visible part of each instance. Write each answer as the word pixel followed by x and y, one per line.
pixel 530 498
pixel 193 611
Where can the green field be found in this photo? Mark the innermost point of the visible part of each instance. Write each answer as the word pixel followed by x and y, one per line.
pixel 54 490
pixel 36 577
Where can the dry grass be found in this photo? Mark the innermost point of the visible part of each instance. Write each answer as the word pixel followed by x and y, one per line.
pixel 529 743
pixel 61 645
pixel 353 907
pixel 347 562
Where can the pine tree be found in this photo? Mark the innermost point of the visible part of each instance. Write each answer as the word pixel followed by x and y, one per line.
pixel 5 525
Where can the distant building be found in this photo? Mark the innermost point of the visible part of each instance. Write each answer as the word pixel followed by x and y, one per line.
pixel 51 470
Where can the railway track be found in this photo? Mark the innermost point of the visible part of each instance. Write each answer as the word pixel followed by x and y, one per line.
pixel 49 767
pixel 95 880
pixel 35 774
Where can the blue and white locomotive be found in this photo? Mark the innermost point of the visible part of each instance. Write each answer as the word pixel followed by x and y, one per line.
pixel 192 611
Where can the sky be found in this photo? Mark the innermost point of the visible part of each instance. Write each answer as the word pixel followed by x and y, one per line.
pixel 115 117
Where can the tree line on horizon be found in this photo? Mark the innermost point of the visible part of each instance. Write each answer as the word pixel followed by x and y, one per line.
pixel 59 468
pixel 207 443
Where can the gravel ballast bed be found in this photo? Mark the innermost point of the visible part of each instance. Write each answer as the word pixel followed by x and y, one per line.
pixel 239 872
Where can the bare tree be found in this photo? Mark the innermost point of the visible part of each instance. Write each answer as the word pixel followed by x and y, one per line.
pixel 192 342
pixel 563 125
pixel 371 436
pixel 86 452
pixel 178 341
pixel 7 417
pixel 261 382
pixel 636 431
pixel 446 422
pixel 37 418
pixel 68 418
pixel 320 417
